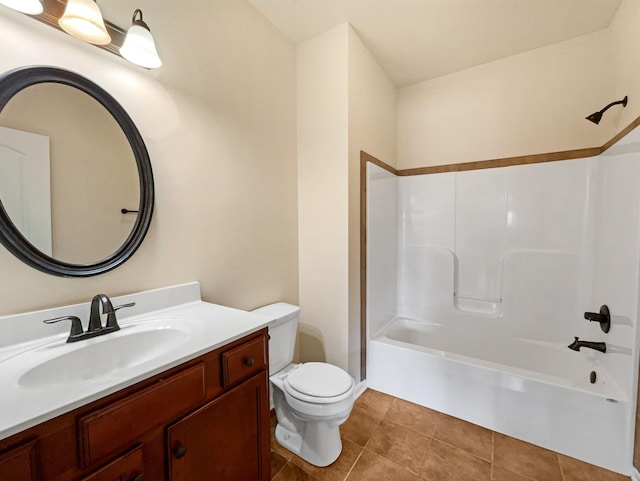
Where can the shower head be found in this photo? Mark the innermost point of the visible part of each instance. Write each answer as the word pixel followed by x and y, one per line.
pixel 597 116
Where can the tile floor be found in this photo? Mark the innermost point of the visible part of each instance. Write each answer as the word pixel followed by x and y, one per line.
pixel 389 439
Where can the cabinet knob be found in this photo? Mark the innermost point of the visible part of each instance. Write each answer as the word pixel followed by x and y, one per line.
pixel 139 477
pixel 180 451
pixel 249 362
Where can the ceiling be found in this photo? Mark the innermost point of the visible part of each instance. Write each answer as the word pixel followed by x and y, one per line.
pixel 416 40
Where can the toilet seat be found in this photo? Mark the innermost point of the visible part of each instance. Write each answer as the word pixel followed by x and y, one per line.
pixel 318 382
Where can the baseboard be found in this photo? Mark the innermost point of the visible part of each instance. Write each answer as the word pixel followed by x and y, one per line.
pixel 362 385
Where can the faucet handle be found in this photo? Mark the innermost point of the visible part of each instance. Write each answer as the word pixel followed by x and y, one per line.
pixel 76 324
pixel 603 317
pixel 112 322
pixel 129 304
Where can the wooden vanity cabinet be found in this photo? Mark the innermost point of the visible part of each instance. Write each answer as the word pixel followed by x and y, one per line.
pixel 124 468
pixel 19 463
pixel 231 450
pixel 205 420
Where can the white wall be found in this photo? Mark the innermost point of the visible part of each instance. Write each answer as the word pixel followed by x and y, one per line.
pixel 219 121
pixel 612 273
pixel 531 103
pixel 524 249
pixel 626 57
pixel 496 242
pixel 513 257
pixel 382 248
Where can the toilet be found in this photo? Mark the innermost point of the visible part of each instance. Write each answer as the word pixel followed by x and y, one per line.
pixel 311 399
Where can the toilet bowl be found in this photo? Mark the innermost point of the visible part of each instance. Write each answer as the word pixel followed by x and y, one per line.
pixel 311 399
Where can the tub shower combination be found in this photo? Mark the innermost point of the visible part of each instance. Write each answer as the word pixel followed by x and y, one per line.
pixel 508 297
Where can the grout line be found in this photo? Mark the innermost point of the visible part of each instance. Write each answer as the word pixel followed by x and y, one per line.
pixel 353 465
pixel 493 453
pixel 371 410
pixel 493 446
pixel 426 458
pixel 462 449
pixel 527 478
pixel 560 466
pixel 517 473
pixel 404 468
pixel 273 475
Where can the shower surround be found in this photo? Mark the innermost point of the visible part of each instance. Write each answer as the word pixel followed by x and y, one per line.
pixel 477 281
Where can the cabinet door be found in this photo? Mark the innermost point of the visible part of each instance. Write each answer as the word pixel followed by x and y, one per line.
pixel 19 464
pixel 226 440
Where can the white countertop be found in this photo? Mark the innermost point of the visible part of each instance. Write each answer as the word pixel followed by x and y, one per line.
pixel 23 405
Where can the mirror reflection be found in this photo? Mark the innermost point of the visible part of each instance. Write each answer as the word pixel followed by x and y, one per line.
pixel 66 172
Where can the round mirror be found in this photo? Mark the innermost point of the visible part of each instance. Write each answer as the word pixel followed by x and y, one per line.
pixel 76 185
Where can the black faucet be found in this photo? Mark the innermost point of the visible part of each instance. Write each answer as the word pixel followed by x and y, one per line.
pixel 95 327
pixel 603 317
pixel 95 323
pixel 577 344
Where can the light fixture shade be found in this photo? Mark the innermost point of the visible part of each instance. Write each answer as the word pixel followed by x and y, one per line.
pixel 138 46
pixel 30 7
pixel 82 19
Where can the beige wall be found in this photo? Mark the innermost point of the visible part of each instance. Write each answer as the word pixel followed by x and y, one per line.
pixel 219 121
pixel 531 103
pixel 346 103
pixel 372 128
pixel 323 196
pixel 625 32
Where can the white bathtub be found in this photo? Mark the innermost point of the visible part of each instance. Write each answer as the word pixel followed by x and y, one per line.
pixel 535 391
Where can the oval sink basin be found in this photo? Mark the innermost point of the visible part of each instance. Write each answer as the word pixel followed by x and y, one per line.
pixel 102 356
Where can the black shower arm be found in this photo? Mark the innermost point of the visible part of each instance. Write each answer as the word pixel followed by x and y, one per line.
pixel 623 102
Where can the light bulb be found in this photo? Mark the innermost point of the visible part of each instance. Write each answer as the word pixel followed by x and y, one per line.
pixel 30 7
pixel 82 19
pixel 139 46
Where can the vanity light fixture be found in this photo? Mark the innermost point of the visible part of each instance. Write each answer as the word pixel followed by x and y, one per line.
pixel 597 116
pixel 30 7
pixel 82 19
pixel 138 46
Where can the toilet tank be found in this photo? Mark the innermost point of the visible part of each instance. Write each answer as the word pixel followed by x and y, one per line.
pixel 282 333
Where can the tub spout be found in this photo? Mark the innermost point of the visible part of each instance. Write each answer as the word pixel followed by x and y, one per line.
pixel 577 344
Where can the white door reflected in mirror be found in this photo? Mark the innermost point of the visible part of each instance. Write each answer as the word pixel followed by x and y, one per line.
pixel 25 184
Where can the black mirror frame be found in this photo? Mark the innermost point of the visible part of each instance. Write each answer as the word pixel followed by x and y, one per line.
pixel 16 80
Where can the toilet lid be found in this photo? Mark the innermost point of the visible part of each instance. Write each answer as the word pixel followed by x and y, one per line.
pixel 319 379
